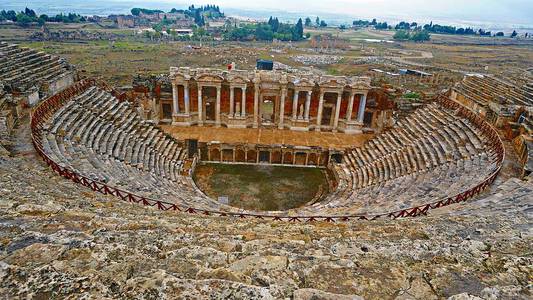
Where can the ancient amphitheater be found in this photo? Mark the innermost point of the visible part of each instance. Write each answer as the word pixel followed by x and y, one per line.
pixel 104 206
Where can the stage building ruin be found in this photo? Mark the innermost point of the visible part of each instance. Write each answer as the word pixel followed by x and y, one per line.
pixel 267 99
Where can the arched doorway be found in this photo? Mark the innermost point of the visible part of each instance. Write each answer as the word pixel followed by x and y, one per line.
pixel 268 110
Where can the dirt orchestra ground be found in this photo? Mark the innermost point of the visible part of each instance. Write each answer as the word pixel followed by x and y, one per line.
pixel 338 141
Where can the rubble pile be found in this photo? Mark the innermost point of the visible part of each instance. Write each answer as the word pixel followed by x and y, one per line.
pixel 317 59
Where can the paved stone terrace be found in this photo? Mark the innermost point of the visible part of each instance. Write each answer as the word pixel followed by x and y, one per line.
pixel 338 141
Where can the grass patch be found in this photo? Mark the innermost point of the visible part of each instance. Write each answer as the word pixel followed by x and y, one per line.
pixel 261 187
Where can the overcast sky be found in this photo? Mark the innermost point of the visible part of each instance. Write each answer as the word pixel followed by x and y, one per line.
pixel 489 12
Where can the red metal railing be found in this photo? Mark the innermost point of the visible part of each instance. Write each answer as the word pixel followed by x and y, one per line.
pixel 48 107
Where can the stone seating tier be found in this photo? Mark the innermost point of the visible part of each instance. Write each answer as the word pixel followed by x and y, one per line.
pixel 431 154
pixel 22 68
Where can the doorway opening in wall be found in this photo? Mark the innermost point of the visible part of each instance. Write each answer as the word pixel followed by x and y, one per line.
pixel 167 111
pixel 210 109
pixel 264 157
pixel 368 119
pixel 326 115
pixel 267 111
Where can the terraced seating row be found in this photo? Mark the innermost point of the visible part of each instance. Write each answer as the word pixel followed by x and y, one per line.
pixel 430 154
pixel 485 89
pixel 96 135
pixel 438 152
pixel 22 68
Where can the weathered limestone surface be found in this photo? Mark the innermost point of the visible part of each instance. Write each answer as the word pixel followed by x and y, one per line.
pixel 59 240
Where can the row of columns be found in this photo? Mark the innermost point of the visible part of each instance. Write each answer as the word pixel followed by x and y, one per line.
pixel 360 114
pixel 256 157
pixel 232 113
pixel 185 96
pixel 295 102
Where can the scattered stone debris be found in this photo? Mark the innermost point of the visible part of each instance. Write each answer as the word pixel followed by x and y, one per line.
pixel 370 60
pixel 317 59
pixel 69 35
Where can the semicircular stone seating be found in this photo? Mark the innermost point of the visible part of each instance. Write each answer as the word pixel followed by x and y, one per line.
pixel 430 155
pixel 22 68
pixel 100 137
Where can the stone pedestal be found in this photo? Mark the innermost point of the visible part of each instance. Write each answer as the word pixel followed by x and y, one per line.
pixel 351 127
pixel 300 125
pixel 237 122
pixel 182 120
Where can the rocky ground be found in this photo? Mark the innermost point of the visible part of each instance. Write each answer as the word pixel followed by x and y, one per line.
pixel 60 240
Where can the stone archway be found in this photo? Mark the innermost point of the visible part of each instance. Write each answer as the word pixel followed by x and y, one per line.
pixel 251 156
pixel 215 155
pixel 239 155
pixel 276 157
pixel 227 155
pixel 209 95
pixel 268 110
pixel 312 159
pixel 300 158
pixel 287 158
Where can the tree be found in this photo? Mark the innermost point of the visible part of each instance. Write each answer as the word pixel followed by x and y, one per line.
pixel 499 34
pixel 41 21
pixel 514 34
pixel 199 18
pixel 299 29
pixel 199 33
pixel 275 24
pixel 361 23
pixel 30 13
pixel 323 23
pixel 421 36
pixel 402 35
pixel 11 15
pixel 23 20
pixel 383 25
pixel 374 22
pixel 308 22
pixel 317 21
pixel 342 27
pixel 403 25
pixel 264 32
pixel 137 11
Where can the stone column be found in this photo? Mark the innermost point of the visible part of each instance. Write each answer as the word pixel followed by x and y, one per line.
pixel 337 111
pixel 175 102
pixel 307 105
pixel 282 107
pixel 243 102
pixel 256 106
pixel 217 107
pixel 295 105
pixel 361 112
pixel 200 107
pixel 350 107
pixel 231 101
pixel 186 98
pixel 320 108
